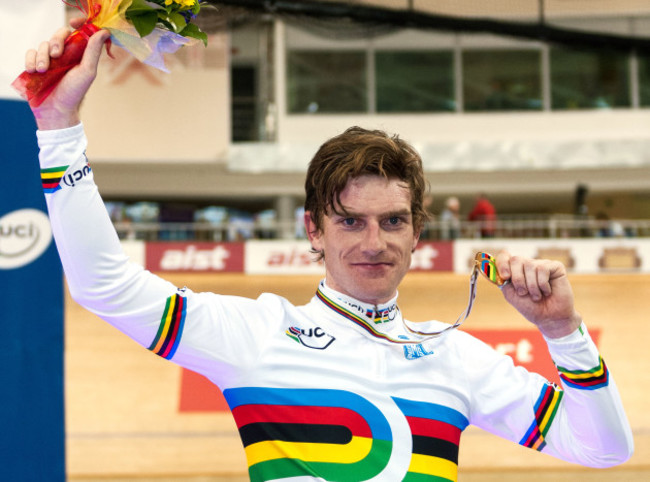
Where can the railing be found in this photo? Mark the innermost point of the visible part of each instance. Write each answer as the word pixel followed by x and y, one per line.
pixel 507 226
pixel 555 226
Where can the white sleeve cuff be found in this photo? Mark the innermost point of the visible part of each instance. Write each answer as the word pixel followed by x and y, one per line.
pixel 576 351
pixel 59 135
pixel 62 148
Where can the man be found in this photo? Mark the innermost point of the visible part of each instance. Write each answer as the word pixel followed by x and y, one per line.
pixel 484 213
pixel 341 388
pixel 450 219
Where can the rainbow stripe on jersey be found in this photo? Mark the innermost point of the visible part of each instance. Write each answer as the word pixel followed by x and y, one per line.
pixel 436 431
pixel 597 377
pixel 171 327
pixel 51 178
pixel 339 435
pixel 545 409
pixel 332 434
pixel 359 320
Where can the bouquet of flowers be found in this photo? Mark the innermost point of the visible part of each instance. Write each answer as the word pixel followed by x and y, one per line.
pixel 146 28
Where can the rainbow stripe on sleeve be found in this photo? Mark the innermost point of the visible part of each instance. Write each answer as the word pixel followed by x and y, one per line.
pixel 171 327
pixel 51 178
pixel 593 379
pixel 545 410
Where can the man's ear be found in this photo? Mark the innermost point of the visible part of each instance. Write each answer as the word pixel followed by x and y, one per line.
pixel 313 233
pixel 416 239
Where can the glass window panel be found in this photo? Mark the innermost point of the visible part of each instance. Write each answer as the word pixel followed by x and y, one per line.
pixel 326 82
pixel 502 80
pixel 409 81
pixel 589 79
pixel 644 81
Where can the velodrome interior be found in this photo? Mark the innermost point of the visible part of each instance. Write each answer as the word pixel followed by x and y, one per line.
pixel 169 138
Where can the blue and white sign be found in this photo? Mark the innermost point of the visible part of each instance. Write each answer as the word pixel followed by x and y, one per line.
pixel 32 439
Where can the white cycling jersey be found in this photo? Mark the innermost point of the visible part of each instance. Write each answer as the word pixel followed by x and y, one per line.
pixel 320 392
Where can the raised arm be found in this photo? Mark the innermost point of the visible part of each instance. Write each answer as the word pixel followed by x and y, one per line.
pixel 99 274
pixel 192 329
pixel 61 108
pixel 585 422
pixel 541 292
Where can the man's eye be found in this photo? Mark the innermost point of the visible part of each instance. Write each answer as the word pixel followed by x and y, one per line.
pixel 349 221
pixel 394 220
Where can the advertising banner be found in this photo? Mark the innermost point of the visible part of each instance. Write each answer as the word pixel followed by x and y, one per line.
pixel 430 256
pixel 595 255
pixel 281 257
pixel 267 257
pixel 202 257
pixel 32 439
pixel 31 346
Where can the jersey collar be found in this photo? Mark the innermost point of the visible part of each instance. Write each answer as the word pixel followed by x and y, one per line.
pixel 375 319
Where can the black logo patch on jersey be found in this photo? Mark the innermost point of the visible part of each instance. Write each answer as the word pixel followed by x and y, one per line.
pixel 314 338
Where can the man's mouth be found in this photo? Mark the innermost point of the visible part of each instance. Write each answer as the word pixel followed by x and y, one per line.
pixel 373 264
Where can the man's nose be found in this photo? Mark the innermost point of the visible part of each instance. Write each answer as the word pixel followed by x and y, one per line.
pixel 374 240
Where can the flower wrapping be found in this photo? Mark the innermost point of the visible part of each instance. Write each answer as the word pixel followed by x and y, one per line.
pixel 146 29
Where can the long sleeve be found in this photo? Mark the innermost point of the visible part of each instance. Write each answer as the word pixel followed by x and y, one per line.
pixel 102 279
pixel 582 422
pixel 99 274
pixel 591 424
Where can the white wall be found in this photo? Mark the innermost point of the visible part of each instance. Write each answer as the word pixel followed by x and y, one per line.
pixel 136 113
pixel 24 26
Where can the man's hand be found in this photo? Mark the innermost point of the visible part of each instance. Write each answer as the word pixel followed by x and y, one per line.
pixel 541 292
pixel 61 108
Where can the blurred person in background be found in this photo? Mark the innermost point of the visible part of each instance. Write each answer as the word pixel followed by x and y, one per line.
pixel 485 215
pixel 427 232
pixel 450 219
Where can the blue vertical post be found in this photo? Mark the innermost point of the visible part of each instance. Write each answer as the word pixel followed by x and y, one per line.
pixel 32 426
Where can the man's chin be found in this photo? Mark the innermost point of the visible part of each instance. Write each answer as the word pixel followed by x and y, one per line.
pixel 373 293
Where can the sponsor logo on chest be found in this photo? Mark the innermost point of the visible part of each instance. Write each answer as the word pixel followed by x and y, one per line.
pixel 314 338
pixel 413 352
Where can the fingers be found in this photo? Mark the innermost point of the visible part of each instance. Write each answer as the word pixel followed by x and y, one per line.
pixel 94 51
pixel 57 41
pixel 38 60
pixel 535 280
pixel 503 265
pixel 77 22
pixel 529 277
pixel 30 61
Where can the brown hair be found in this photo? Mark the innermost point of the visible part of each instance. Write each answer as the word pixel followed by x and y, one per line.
pixel 354 153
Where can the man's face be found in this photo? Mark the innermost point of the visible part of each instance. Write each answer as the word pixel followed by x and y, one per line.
pixel 368 250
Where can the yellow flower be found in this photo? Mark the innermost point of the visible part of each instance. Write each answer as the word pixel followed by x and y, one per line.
pixel 182 3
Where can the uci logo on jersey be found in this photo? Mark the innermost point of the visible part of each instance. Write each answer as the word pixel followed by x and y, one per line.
pixel 72 178
pixel 311 338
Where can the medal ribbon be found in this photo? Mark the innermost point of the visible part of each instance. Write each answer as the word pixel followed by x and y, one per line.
pixel 483 263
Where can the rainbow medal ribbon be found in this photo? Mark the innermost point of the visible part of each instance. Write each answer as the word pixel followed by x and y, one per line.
pixel 485 264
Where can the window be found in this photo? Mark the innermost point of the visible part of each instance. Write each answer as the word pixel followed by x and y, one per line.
pixel 413 72
pixel 243 88
pixel 502 80
pixel 588 79
pixel 644 81
pixel 327 82
pixel 410 81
